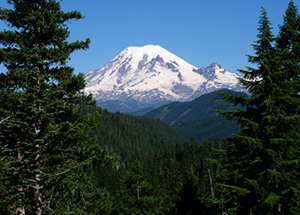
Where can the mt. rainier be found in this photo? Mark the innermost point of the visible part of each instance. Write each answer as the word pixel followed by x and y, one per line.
pixel 150 76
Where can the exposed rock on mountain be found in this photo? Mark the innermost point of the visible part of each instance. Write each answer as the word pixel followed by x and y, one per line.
pixel 151 76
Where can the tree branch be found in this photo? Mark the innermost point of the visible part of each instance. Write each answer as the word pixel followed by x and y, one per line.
pixel 75 167
pixel 4 119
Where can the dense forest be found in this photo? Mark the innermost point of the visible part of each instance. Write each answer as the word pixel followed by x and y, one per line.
pixel 198 120
pixel 60 154
pixel 165 163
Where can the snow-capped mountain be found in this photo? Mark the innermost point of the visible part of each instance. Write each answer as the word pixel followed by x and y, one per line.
pixel 153 75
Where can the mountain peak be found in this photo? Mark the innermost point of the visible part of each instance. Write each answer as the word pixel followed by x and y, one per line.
pixel 147 49
pixel 152 75
pixel 215 65
pixel 145 53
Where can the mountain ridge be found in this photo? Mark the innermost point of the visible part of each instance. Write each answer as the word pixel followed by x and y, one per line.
pixel 197 120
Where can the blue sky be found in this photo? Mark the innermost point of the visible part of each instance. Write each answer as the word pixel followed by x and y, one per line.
pixel 199 31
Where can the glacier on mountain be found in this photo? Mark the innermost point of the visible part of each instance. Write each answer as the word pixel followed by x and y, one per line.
pixel 151 75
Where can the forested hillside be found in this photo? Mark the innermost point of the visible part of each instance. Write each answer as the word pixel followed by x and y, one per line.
pixel 151 151
pixel 199 120
pixel 132 137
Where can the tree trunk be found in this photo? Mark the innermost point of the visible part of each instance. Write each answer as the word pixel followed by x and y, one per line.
pixel 211 184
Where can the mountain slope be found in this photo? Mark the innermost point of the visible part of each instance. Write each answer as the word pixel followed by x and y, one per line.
pixel 150 76
pixel 197 119
pixel 132 137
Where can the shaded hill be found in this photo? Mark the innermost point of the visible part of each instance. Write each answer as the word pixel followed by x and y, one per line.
pixel 133 137
pixel 198 120
pixel 129 106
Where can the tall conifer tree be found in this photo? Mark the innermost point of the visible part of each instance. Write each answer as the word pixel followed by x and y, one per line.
pixel 137 193
pixel 43 135
pixel 263 159
pixel 288 41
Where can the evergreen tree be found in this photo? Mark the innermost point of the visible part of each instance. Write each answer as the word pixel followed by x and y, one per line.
pixel 81 196
pixel 137 193
pixel 263 161
pixel 288 41
pixel 43 135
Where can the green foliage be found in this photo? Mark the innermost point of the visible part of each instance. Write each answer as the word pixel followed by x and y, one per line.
pixel 43 135
pixel 180 175
pixel 198 120
pixel 137 193
pixel 266 149
pixel 132 137
pixel 289 44
pixel 207 128
pixel 173 171
pixel 81 196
